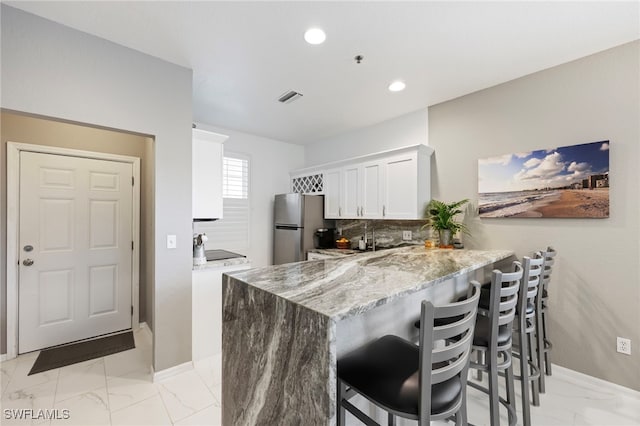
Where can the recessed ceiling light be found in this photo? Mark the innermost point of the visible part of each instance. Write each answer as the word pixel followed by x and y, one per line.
pixel 315 36
pixel 397 86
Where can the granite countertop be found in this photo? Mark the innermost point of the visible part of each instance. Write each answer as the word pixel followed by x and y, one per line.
pixel 345 252
pixel 350 285
pixel 335 252
pixel 221 263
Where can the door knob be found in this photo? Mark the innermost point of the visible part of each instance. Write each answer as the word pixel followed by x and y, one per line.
pixel 27 262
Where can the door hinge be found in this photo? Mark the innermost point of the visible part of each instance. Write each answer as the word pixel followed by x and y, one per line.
pixel 132 181
pixel 131 245
pixel 131 310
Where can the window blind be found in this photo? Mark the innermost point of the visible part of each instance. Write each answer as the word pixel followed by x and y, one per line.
pixel 232 231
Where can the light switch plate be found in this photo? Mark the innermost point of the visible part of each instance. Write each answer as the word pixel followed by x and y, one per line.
pixel 171 242
pixel 406 235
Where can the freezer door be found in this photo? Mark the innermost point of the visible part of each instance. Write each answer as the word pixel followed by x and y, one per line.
pixel 288 209
pixel 287 245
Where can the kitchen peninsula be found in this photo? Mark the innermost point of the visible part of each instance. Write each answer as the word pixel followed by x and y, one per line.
pixel 285 326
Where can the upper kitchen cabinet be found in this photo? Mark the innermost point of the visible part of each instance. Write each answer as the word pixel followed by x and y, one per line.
pixel 406 185
pixel 387 185
pixel 207 153
pixel 332 190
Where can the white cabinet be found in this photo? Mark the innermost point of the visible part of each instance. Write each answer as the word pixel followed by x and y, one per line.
pixel 354 191
pixel 207 153
pixel 372 190
pixel 206 308
pixel 332 193
pixel 350 196
pixel 388 185
pixel 406 185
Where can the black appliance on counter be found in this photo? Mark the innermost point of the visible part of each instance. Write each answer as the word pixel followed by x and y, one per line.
pixel 325 238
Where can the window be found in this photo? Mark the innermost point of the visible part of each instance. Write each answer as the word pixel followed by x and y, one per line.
pixel 235 178
pixel 232 231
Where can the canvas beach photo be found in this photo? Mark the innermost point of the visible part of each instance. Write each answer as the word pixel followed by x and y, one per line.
pixel 565 182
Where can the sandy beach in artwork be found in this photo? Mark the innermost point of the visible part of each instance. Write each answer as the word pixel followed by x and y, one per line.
pixel 592 203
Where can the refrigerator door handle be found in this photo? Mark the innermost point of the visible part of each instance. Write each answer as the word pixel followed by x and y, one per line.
pixel 291 227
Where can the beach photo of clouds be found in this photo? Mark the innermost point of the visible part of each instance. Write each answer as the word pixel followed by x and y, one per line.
pixel 569 182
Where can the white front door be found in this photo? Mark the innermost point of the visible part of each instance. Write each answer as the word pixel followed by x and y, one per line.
pixel 75 249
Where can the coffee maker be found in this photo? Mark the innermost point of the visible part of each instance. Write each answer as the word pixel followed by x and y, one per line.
pixel 199 258
pixel 325 238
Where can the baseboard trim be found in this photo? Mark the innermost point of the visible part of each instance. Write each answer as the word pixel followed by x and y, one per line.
pixel 3 357
pixel 593 380
pixel 159 376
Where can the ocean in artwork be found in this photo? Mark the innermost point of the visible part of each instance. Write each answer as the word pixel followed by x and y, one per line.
pixel 563 182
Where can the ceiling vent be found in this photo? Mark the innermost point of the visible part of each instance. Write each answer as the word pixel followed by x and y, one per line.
pixel 289 97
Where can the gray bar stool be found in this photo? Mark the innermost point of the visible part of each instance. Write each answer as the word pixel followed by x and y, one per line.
pixel 425 382
pixel 493 338
pixel 544 344
pixel 524 328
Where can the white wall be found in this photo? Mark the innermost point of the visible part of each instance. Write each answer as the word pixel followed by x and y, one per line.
pixel 52 70
pixel 595 289
pixel 270 164
pixel 406 130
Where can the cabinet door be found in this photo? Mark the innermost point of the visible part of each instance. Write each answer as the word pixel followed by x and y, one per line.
pixel 372 190
pixel 206 308
pixel 351 185
pixel 332 191
pixel 401 187
pixel 207 150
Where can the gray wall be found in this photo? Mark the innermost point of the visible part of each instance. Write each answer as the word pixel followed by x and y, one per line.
pixel 406 130
pixel 52 70
pixel 595 291
pixel 40 131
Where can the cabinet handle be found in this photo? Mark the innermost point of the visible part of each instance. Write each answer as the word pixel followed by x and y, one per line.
pixel 383 211
pixel 360 211
pixel 339 211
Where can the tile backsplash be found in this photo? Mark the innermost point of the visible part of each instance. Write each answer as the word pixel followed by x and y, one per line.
pixel 388 232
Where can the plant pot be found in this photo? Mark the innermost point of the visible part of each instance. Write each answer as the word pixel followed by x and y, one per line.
pixel 445 237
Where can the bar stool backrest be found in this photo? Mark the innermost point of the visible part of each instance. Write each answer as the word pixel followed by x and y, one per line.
pixel 504 294
pixel 531 276
pixel 549 260
pixel 450 357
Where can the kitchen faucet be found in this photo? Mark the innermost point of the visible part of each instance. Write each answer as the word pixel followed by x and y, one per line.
pixel 373 237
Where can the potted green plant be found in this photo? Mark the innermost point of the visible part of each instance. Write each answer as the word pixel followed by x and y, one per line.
pixel 441 217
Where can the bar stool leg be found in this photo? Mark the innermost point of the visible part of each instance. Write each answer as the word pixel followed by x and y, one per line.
pixel 547 355
pixel 461 415
pixel 534 383
pixel 524 379
pixel 480 360
pixel 494 405
pixel 341 411
pixel 511 392
pixel 540 350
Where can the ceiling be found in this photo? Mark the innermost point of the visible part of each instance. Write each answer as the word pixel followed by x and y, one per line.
pixel 244 55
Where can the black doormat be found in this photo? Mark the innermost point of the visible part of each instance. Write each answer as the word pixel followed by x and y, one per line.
pixel 83 351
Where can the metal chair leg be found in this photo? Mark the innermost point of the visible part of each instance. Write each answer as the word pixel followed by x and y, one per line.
pixel 540 350
pixel 494 411
pixel 511 392
pixel 535 393
pixel 341 411
pixel 524 379
pixel 547 355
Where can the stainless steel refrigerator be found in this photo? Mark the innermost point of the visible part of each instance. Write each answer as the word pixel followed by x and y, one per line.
pixel 297 217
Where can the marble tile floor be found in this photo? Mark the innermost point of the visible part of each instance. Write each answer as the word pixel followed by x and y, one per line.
pixel 117 390
pixel 113 390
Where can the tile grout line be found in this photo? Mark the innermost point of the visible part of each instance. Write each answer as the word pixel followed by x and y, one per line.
pixel 106 386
